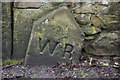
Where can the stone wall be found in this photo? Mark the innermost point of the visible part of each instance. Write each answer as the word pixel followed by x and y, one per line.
pixel 101 25
pixel 99 22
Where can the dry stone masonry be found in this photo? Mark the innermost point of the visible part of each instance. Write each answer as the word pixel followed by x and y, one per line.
pixel 101 25
pixel 47 33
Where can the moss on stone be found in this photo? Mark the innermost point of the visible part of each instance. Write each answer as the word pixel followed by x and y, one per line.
pixel 16 16
pixel 9 61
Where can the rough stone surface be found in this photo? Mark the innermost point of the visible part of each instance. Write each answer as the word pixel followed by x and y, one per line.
pixel 23 22
pixel 106 44
pixel 6 30
pixel 55 38
pixel 114 8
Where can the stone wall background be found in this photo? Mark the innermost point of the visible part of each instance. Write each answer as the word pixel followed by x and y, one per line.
pixel 99 22
pixel 101 25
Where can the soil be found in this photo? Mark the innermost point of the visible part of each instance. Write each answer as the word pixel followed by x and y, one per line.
pixel 62 70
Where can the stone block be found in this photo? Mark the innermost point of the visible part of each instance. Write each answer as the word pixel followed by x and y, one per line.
pixel 107 45
pixel 106 21
pixel 83 19
pixel 23 22
pixel 55 38
pixel 6 29
pixel 27 4
pixel 96 21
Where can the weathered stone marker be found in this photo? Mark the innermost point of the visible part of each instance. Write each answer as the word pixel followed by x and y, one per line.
pixel 55 37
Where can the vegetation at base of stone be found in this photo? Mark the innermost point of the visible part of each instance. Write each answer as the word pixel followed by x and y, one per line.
pixel 0 62
pixel 90 61
pixel 9 61
pixel 84 74
pixel 105 64
pixel 34 76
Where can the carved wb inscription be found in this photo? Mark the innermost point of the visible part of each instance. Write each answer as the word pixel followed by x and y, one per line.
pixel 53 47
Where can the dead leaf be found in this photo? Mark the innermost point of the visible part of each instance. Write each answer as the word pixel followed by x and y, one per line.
pixel 117 67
